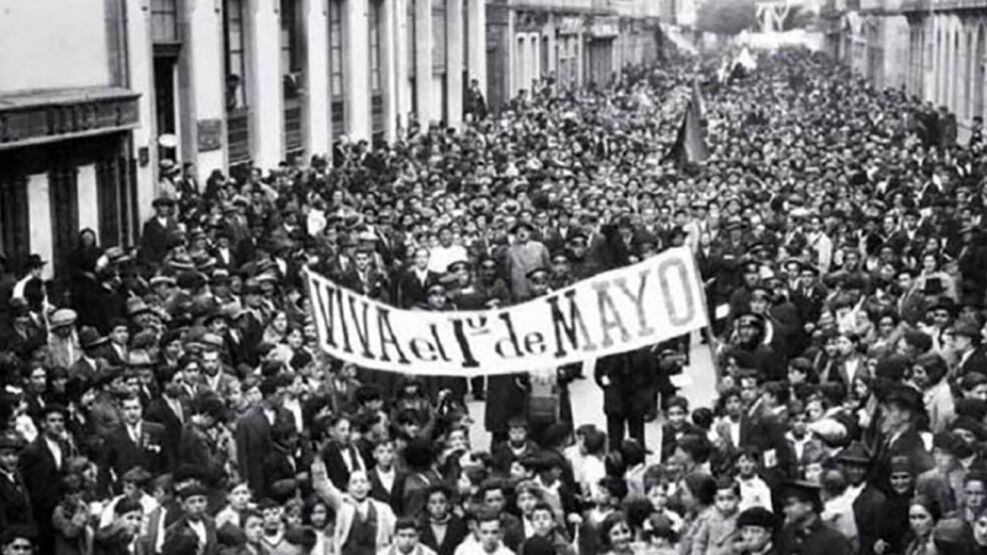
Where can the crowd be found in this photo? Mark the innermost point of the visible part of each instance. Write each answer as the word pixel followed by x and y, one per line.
pixel 172 399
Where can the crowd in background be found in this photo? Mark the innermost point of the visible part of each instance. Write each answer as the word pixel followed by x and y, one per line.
pixel 173 399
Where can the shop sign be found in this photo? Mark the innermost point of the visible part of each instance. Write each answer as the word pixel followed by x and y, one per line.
pixel 52 116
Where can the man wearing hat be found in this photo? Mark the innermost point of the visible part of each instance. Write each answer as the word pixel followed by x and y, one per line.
pixel 446 252
pixel 159 232
pixel 966 343
pixel 757 527
pixel 804 532
pixel 253 432
pixel 90 363
pixel 902 407
pixel 15 503
pixel 193 500
pixel 868 501
pixel 523 256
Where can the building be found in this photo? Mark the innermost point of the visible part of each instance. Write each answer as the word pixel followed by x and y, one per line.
pixel 95 93
pixel 947 55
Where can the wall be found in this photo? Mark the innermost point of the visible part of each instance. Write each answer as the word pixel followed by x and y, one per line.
pixel 48 44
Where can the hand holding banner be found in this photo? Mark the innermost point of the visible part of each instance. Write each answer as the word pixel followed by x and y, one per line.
pixel 612 312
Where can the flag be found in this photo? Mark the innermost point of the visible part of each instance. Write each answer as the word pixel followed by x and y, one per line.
pixel 697 99
pixel 690 143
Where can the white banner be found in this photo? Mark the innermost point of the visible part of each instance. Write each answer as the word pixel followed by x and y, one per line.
pixel 612 312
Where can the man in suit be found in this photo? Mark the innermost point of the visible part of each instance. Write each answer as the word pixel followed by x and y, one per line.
pixel 15 503
pixel 413 283
pixel 901 407
pixel 170 410
pixel 42 465
pixel 253 433
pixel 340 456
pixel 385 478
pixel 627 381
pixel 966 341
pixel 869 502
pixel 90 364
pixel 136 442
pixel 194 520
pixel 364 278
pixel 159 232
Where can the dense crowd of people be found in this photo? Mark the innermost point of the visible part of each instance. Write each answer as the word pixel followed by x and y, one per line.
pixel 172 399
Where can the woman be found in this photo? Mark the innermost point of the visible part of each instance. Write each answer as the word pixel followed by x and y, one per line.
pixel 86 253
pixel 923 514
pixel 277 329
pixel 928 376
pixel 319 516
pixel 697 494
pixel 73 534
pixel 901 489
pixel 615 535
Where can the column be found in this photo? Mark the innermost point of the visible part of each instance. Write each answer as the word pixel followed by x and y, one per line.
pixel 454 62
pixel 423 62
pixel 264 86
pixel 477 64
pixel 390 47
pixel 39 218
pixel 356 64
pixel 401 79
pixel 87 198
pixel 141 71
pixel 316 99
pixel 206 94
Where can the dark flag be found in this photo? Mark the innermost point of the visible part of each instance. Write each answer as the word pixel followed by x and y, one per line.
pixel 690 144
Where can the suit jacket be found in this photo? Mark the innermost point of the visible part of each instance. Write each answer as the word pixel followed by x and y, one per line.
pixel 212 542
pixel 156 238
pixel 373 283
pixel 869 516
pixel 977 362
pixel 15 502
pixel 339 473
pixel 120 453
pixel 456 532
pixel 380 493
pixel 159 411
pixel 253 443
pixel 195 449
pixel 411 291
pixel 41 474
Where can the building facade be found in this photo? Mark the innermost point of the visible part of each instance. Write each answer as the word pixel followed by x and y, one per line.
pixel 96 93
pixel 947 55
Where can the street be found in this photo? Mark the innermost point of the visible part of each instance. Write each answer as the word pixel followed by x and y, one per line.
pixel 587 398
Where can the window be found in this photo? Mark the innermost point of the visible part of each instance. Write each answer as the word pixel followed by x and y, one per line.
pixel 164 21
pixel 236 63
pixel 336 48
pixel 291 63
pixel 439 36
pixel 376 9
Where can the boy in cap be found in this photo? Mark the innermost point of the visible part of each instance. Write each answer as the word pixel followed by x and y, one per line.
pixel 757 527
pixel 804 531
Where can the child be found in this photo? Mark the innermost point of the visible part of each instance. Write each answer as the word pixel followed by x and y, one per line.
pixel 754 492
pixel 607 495
pixel 659 489
pixel 238 501
pixel 715 534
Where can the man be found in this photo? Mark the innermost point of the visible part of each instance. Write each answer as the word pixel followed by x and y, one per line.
pixel 446 253
pixel 364 278
pixel 524 256
pixel 868 501
pixel 489 534
pixel 136 442
pixel 216 377
pixel 170 410
pixel 476 104
pixel 62 341
pixel 804 532
pixel 17 540
pixel 41 464
pixel 493 497
pixel 340 456
pixel 966 343
pixel 901 408
pixel 413 283
pixel 15 503
pixel 441 529
pixel 406 539
pixel 159 232
pixel 194 519
pixel 757 527
pixel 362 523
pixel 253 432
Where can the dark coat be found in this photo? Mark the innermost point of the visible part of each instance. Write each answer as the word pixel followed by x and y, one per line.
pixel 511 396
pixel 908 444
pixel 15 504
pixel 159 411
pixel 253 443
pixel 870 517
pixel 212 543
pixel 339 473
pixel 120 454
pixel 817 539
pixel 410 291
pixel 380 493
pixel 41 476
pixel 194 449
pixel 456 532
pixel 632 377
pixel 156 238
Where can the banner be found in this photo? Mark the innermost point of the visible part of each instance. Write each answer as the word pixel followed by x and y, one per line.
pixel 612 312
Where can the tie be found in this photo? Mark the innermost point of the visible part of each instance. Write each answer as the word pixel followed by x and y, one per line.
pixel 135 435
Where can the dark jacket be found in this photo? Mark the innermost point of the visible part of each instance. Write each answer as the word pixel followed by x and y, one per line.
pixel 816 539
pixel 120 454
pixel 456 532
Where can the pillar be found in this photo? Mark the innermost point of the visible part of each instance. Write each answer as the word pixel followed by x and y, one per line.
pixel 264 84
pixel 356 64
pixel 391 40
pixel 454 62
pixel 206 91
pixel 477 63
pixel 402 72
pixel 87 198
pixel 141 71
pixel 39 219
pixel 423 63
pixel 316 100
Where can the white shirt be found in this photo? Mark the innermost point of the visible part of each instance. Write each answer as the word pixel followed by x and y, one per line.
pixel 386 478
pixel 199 528
pixel 471 546
pixel 754 492
pixel 56 451
pixel 295 408
pixel 441 257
